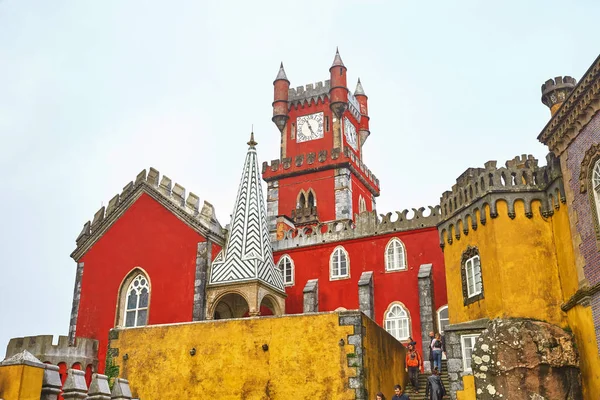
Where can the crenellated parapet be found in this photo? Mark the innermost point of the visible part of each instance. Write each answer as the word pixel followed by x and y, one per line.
pixel 322 160
pixel 172 196
pixel 84 351
pixel 309 93
pixel 366 224
pixel 521 179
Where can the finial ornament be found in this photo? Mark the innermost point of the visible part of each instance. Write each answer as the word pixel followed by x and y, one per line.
pixel 252 142
pixel 337 61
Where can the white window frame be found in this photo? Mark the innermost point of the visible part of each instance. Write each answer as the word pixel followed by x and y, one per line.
pixel 398 256
pixel 392 323
pixel 139 278
pixel 335 270
pixel 470 274
pixel 282 267
pixel 439 319
pixel 463 346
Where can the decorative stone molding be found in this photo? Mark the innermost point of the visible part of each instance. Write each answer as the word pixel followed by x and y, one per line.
pixel 366 224
pixel 581 297
pixel 75 386
pixel 478 189
pixel 75 306
pixel 469 252
pixel 575 113
pixel 586 184
pixel 51 383
pixel 172 197
pixel 203 259
pixel 309 163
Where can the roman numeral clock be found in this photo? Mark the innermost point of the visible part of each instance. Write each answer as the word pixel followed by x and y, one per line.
pixel 350 133
pixel 310 127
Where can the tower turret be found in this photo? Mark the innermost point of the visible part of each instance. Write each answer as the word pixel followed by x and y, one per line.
pixel 363 127
pixel 280 99
pixel 555 91
pixel 339 90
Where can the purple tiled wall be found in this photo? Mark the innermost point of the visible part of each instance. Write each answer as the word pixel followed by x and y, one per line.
pixel 589 136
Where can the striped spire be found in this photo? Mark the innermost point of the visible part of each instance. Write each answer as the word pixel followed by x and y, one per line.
pixel 248 255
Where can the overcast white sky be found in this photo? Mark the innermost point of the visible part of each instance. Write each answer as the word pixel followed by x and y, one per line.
pixel 92 92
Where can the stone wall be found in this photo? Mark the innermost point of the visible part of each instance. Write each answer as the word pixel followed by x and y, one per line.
pixel 452 334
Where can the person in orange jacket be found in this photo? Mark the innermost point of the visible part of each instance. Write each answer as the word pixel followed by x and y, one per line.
pixel 414 364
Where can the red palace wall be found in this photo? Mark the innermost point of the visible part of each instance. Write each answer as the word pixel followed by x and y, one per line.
pixel 368 254
pixel 148 236
pixel 358 189
pixel 322 183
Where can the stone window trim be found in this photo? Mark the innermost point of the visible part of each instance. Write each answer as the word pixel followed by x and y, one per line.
pixel 472 338
pixel 306 198
pixel 342 252
pixel 402 264
pixel 281 264
pixel 391 306
pixel 586 184
pixel 469 253
pixel 122 296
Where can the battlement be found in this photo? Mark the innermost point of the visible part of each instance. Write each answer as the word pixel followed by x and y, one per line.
pixel 322 160
pixel 172 196
pixel 555 91
pixel 84 351
pixel 366 224
pixel 308 93
pixel 520 179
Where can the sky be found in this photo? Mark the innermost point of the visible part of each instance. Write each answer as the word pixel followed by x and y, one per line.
pixel 93 92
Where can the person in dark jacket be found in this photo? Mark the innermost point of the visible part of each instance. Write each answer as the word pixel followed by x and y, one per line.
pixel 399 394
pixel 435 387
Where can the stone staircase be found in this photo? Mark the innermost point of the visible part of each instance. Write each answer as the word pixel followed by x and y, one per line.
pixel 423 381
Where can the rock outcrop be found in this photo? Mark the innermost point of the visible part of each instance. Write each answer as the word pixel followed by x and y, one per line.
pixel 525 359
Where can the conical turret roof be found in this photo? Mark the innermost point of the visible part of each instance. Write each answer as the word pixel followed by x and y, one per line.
pixel 248 255
pixel 281 74
pixel 337 61
pixel 359 89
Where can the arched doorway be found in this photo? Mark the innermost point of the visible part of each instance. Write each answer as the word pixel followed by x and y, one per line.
pixel 268 307
pixel 231 305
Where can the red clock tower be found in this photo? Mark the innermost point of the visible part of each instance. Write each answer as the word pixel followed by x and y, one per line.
pixel 320 175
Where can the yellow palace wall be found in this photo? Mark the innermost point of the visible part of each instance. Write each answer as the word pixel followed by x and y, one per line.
pixel 20 382
pixel 305 358
pixel 528 271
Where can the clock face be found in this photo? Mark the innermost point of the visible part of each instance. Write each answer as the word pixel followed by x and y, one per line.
pixel 350 132
pixel 310 127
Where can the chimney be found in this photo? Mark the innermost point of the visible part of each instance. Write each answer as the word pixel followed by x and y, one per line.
pixel 555 92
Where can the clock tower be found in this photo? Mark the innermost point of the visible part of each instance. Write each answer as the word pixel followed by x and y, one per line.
pixel 320 175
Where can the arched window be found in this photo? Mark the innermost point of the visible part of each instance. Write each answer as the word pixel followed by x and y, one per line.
pixel 472 282
pixel 312 201
pixel 339 263
pixel 138 294
pixel 286 266
pixel 302 200
pixel 397 321
pixel 134 300
pixel 362 204
pixel 395 255
pixel 596 187
pixel 442 317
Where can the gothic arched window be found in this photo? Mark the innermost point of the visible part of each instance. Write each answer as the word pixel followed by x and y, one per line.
pixel 397 321
pixel 362 204
pixel 134 300
pixel 589 181
pixel 339 263
pixel 286 266
pixel 311 201
pixel 395 255
pixel 302 200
